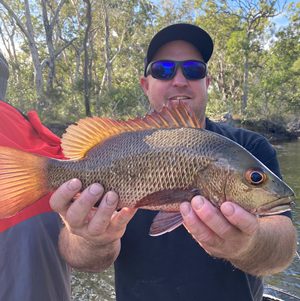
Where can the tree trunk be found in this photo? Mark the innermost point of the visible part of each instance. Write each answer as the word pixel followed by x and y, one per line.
pixel 39 83
pixel 49 40
pixel 49 27
pixel 245 83
pixel 107 48
pixel 86 59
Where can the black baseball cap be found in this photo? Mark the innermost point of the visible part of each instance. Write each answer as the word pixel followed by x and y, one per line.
pixel 183 31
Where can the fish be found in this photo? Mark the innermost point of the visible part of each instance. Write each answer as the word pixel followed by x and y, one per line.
pixel 155 162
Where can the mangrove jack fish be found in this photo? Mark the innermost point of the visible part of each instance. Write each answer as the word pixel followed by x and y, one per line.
pixel 155 163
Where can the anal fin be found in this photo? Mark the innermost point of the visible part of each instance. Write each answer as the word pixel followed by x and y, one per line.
pixel 165 222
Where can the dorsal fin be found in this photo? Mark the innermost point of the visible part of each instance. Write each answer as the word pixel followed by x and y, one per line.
pixel 88 132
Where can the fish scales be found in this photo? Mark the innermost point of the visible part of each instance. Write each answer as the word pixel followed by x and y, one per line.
pixel 138 164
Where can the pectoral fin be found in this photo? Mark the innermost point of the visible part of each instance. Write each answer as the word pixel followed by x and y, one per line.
pixel 165 222
pixel 167 197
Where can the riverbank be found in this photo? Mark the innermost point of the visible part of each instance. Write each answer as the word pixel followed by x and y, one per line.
pixel 274 132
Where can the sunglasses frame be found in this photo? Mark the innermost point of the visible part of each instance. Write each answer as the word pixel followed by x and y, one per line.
pixel 177 63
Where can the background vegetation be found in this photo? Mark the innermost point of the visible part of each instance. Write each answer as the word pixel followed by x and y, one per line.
pixel 73 58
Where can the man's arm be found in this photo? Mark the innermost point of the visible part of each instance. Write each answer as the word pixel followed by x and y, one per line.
pixel 90 240
pixel 258 246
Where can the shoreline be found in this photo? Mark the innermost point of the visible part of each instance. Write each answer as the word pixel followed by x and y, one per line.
pixel 274 132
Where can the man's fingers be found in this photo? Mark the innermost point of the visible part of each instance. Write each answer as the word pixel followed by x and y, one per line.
pixel 220 232
pixel 199 230
pixel 122 218
pixel 104 213
pixel 237 216
pixel 78 212
pixel 213 218
pixel 61 198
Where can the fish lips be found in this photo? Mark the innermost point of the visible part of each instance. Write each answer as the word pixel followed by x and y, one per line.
pixel 280 205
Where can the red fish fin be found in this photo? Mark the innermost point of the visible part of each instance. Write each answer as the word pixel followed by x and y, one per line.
pixel 165 222
pixel 87 133
pixel 176 115
pixel 22 180
pixel 165 197
pixel 39 207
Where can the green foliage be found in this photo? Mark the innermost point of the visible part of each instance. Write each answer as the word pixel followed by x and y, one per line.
pixel 269 56
pixel 253 47
pixel 277 90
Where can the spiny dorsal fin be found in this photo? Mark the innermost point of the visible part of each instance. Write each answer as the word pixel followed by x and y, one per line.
pixel 87 133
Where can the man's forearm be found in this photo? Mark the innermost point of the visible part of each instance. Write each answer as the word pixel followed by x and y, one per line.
pixel 273 247
pixel 82 255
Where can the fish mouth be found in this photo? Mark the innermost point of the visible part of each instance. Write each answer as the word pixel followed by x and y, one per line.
pixel 280 205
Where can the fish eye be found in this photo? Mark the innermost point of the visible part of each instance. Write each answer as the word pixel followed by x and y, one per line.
pixel 255 177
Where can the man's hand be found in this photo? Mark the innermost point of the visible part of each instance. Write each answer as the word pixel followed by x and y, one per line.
pixel 91 234
pixel 224 233
pixel 242 238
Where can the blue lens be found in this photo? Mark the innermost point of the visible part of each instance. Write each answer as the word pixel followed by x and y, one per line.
pixel 193 70
pixel 163 69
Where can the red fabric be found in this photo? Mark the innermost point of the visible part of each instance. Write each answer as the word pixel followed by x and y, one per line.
pixel 31 136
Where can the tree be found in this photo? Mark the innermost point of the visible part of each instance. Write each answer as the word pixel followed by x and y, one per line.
pixel 243 24
pixel 32 37
pixel 277 91
pixel 87 56
pixel 86 73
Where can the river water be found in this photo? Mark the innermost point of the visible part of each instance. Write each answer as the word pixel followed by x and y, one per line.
pixel 289 158
pixel 100 287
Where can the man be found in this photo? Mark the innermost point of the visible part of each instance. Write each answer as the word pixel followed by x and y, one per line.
pixel 221 254
pixel 30 264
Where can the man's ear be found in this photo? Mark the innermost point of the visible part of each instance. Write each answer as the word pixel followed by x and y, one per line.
pixel 208 81
pixel 144 84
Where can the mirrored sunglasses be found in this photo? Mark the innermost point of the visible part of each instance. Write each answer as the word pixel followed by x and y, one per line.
pixel 166 69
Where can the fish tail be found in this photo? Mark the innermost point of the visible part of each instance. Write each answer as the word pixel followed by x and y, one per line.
pixel 23 180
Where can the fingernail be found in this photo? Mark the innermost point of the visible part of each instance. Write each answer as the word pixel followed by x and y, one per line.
pixel 95 189
pixel 227 209
pixel 111 200
pixel 185 209
pixel 198 202
pixel 74 184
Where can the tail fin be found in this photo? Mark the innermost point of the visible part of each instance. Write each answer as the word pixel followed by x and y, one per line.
pixel 22 180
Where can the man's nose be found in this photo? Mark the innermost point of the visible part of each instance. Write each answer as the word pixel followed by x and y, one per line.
pixel 179 79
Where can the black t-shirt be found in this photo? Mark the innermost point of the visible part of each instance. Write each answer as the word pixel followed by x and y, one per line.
pixel 173 267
